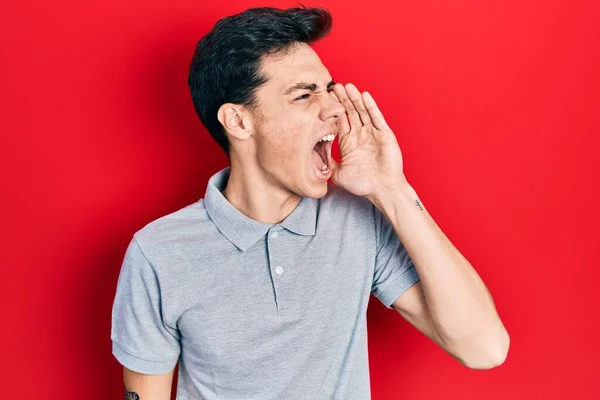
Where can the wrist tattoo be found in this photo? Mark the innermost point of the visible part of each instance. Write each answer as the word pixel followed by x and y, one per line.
pixel 417 202
pixel 129 395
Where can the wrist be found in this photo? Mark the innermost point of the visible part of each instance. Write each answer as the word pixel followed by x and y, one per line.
pixel 384 198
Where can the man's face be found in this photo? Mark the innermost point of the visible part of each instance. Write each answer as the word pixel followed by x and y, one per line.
pixel 296 109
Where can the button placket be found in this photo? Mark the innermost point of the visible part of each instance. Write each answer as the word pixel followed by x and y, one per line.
pixel 279 276
pixel 273 267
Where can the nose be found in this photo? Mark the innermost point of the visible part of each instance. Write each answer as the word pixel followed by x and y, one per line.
pixel 331 107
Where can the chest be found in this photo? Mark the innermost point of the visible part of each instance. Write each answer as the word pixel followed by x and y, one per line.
pixel 285 289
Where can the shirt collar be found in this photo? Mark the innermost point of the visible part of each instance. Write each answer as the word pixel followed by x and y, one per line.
pixel 244 231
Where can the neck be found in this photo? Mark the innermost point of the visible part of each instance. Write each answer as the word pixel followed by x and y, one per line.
pixel 250 191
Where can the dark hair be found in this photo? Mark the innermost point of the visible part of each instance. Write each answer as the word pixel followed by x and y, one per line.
pixel 226 62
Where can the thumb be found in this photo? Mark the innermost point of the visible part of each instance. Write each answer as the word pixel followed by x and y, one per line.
pixel 335 171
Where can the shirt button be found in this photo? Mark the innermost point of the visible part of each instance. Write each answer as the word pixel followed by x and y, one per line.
pixel 279 270
pixel 275 235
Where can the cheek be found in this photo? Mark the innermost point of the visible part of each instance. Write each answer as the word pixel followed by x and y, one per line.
pixel 289 143
pixel 286 138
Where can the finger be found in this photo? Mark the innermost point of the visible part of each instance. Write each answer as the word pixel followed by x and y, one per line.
pixel 344 126
pixel 335 170
pixel 332 93
pixel 353 117
pixel 357 100
pixel 374 111
pixel 342 123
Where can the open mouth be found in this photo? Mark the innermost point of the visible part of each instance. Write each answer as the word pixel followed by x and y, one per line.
pixel 322 153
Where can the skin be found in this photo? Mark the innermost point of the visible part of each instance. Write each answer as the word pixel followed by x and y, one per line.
pixel 272 146
pixel 147 387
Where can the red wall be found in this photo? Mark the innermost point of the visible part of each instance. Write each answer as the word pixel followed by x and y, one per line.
pixel 496 108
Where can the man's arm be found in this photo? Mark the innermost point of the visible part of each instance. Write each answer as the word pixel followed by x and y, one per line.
pixel 143 342
pixel 450 304
pixel 413 307
pixel 147 387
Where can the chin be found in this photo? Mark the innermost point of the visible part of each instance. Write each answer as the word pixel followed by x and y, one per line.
pixel 317 191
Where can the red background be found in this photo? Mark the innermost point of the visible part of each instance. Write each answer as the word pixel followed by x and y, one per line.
pixel 495 105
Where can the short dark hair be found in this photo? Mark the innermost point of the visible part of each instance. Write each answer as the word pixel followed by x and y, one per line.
pixel 226 62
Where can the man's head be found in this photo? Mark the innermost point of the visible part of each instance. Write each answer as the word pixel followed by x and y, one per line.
pixel 264 95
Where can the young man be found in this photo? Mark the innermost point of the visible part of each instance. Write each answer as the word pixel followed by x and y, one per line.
pixel 260 289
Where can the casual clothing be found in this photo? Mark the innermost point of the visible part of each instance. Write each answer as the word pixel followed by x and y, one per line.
pixel 252 310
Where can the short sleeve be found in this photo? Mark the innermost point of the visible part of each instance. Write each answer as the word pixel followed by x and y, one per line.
pixel 394 269
pixel 141 341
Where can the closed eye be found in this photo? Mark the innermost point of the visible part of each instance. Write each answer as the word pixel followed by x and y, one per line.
pixel 304 96
pixel 307 95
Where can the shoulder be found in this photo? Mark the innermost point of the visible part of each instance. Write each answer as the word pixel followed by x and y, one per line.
pixel 338 200
pixel 175 224
pixel 345 210
pixel 174 235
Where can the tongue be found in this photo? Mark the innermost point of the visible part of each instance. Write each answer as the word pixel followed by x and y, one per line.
pixel 320 155
pixel 317 160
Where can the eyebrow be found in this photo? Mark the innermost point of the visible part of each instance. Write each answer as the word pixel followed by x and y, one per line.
pixel 307 86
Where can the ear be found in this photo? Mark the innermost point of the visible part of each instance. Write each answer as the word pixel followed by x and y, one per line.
pixel 235 121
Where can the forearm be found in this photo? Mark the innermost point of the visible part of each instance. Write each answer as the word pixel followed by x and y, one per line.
pixel 460 304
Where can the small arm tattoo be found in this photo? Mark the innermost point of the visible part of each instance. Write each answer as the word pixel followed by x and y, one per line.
pixel 419 204
pixel 130 395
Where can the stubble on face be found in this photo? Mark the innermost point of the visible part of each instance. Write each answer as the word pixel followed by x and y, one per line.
pixel 286 127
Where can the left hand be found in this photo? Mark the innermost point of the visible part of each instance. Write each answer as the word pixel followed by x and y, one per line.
pixel 371 160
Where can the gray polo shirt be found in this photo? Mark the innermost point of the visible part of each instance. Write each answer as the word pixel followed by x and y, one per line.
pixel 252 310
